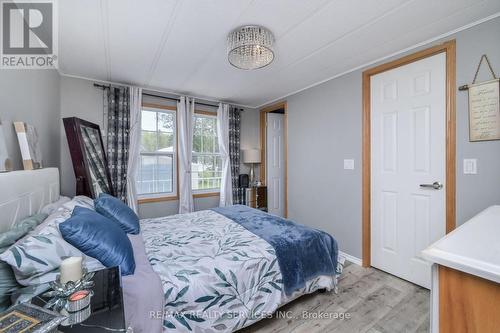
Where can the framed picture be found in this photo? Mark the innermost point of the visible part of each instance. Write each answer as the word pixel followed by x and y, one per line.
pixel 5 162
pixel 29 145
pixel 484 111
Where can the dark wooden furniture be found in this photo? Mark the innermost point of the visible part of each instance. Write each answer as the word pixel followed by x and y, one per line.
pixel 107 311
pixel 256 197
pixel 89 161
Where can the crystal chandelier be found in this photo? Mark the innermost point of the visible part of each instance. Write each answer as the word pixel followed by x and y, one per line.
pixel 250 47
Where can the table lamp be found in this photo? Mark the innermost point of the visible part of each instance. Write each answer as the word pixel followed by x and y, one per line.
pixel 252 157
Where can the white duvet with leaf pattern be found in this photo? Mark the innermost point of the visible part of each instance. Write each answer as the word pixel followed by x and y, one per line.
pixel 216 275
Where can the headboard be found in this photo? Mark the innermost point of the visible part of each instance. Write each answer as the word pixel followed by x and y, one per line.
pixel 24 193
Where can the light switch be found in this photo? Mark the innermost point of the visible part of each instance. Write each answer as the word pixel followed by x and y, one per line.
pixel 348 164
pixel 470 166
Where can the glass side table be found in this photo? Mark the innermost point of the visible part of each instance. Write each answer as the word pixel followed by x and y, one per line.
pixel 107 311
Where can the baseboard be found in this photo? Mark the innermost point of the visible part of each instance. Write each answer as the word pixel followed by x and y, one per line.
pixel 350 258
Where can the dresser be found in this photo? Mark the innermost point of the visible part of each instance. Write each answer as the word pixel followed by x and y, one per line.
pixel 465 291
pixel 256 197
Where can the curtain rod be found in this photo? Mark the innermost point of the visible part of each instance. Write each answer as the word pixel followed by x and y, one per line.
pixel 178 99
pixel 159 96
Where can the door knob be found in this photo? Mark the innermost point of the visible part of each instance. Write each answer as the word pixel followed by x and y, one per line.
pixel 435 185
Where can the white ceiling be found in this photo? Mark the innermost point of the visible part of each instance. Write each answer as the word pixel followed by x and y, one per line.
pixel 179 45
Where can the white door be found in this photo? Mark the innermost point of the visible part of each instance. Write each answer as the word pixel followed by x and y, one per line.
pixel 408 143
pixel 275 164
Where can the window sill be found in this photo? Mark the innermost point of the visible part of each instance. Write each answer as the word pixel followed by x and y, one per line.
pixel 157 199
pixel 206 194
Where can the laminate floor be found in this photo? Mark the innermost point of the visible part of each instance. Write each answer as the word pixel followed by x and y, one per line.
pixel 368 301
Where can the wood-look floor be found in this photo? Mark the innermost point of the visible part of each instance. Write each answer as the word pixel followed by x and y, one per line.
pixel 376 302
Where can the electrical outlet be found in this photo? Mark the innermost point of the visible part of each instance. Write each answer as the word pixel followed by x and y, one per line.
pixel 470 166
pixel 348 164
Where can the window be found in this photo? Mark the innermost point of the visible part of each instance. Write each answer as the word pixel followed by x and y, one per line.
pixel 207 163
pixel 158 159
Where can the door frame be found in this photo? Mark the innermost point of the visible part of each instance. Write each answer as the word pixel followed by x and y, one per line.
pixel 449 48
pixel 263 144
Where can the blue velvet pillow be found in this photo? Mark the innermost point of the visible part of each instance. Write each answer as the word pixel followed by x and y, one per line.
pixel 119 212
pixel 98 237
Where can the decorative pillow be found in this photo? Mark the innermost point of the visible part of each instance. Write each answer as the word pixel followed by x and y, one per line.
pixel 36 259
pixel 51 227
pixel 20 229
pixel 117 211
pixel 98 237
pixel 8 283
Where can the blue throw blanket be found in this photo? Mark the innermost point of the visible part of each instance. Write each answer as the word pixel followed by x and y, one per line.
pixel 303 253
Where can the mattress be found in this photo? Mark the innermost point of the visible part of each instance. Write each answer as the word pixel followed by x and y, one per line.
pixel 216 276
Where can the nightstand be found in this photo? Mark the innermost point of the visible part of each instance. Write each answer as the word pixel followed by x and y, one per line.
pixel 256 197
pixel 106 305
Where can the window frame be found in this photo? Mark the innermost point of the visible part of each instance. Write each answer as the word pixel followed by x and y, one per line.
pixel 209 191
pixel 162 196
pixel 159 197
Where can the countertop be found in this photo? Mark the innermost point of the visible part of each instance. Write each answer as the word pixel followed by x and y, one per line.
pixel 473 248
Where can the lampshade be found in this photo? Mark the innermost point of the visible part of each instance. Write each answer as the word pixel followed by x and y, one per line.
pixel 251 156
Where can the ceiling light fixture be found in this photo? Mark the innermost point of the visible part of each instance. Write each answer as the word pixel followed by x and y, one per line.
pixel 250 47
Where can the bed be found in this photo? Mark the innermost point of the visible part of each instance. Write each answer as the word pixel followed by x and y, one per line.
pixel 215 270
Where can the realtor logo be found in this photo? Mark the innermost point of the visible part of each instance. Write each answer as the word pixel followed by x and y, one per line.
pixel 28 34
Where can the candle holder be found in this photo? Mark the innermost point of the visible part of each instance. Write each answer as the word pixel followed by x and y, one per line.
pixel 62 291
pixel 77 307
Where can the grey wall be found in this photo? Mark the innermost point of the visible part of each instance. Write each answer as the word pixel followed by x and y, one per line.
pixel 325 128
pixel 250 136
pixel 476 192
pixel 79 98
pixel 31 96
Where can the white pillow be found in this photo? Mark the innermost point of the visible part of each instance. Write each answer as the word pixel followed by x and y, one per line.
pixel 80 200
pixel 53 220
pixel 36 259
pixel 51 208
pixel 63 212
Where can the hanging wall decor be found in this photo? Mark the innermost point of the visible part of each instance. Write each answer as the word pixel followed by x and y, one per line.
pixel 29 145
pixel 484 107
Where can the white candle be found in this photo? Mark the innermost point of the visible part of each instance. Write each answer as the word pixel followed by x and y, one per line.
pixel 71 269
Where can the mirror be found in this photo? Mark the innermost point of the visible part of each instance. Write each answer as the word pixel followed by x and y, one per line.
pixel 96 158
pixel 89 157
pixel 5 162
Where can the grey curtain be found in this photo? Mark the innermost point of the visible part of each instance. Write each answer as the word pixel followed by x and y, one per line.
pixel 234 152
pixel 118 142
